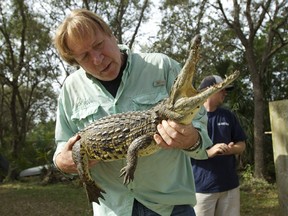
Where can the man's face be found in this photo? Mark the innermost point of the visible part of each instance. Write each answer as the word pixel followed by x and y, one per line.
pixel 98 55
pixel 218 98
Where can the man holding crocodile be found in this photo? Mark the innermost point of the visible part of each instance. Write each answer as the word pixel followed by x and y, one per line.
pixel 111 79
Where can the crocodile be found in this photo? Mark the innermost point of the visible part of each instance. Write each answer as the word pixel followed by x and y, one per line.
pixel 130 134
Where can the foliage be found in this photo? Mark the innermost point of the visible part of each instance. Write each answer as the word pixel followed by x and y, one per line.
pixel 249 182
pixel 26 78
pixel 178 27
pixel 40 145
pixel 31 68
pixel 271 25
pixel 257 194
pixel 242 35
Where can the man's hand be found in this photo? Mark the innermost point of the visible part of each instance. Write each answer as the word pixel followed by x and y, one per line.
pixel 64 160
pixel 219 149
pixel 175 135
pixel 226 149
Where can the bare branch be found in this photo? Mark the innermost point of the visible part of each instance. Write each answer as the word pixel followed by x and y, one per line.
pixel 201 14
pixel 224 14
pixel 145 5
pixel 250 21
pixel 263 13
pixel 23 36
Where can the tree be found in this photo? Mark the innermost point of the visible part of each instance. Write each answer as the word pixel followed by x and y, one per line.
pixel 30 66
pixel 26 75
pixel 181 21
pixel 251 20
pixel 245 36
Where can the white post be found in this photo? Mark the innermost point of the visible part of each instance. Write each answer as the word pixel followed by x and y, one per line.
pixel 279 127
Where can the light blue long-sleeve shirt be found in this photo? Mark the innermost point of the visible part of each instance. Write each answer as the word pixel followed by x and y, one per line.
pixel 162 180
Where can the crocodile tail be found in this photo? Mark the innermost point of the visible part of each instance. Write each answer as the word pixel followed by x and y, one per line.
pixel 94 192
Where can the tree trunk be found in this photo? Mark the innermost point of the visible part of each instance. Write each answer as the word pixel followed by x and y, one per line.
pixel 258 128
pixel 258 113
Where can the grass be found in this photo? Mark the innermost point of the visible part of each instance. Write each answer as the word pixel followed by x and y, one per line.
pixel 259 198
pixel 30 198
pixel 19 199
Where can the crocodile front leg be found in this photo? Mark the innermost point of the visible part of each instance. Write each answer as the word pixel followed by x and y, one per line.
pixel 81 160
pixel 132 156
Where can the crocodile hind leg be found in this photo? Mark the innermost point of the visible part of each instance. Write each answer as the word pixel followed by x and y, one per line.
pixel 81 160
pixel 132 156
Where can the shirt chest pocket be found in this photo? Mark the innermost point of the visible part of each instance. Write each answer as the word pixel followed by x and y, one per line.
pixel 147 101
pixel 85 115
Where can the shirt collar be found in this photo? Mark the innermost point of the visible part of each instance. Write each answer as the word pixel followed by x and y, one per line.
pixel 125 49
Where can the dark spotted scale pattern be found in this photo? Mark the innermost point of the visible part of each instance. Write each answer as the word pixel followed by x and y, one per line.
pixel 109 138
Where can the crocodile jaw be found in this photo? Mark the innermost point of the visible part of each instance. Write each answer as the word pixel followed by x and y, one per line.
pixel 189 106
pixel 184 100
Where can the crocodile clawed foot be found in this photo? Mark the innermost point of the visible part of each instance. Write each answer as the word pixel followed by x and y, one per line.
pixel 128 175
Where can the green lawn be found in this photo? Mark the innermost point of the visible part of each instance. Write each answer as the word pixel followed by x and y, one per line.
pixel 259 198
pixel 19 199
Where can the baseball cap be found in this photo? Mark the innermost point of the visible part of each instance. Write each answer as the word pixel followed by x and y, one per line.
pixel 211 80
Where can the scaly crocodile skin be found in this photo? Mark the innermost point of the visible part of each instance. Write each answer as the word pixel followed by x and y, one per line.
pixel 129 135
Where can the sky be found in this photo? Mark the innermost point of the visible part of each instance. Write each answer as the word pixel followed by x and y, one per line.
pixel 149 30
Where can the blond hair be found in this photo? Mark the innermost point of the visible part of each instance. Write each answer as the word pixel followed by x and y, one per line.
pixel 78 26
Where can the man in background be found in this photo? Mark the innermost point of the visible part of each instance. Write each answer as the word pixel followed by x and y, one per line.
pixel 216 179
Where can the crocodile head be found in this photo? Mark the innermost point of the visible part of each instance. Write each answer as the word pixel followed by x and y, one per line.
pixel 185 101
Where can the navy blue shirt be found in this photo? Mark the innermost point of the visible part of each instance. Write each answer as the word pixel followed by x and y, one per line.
pixel 219 173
